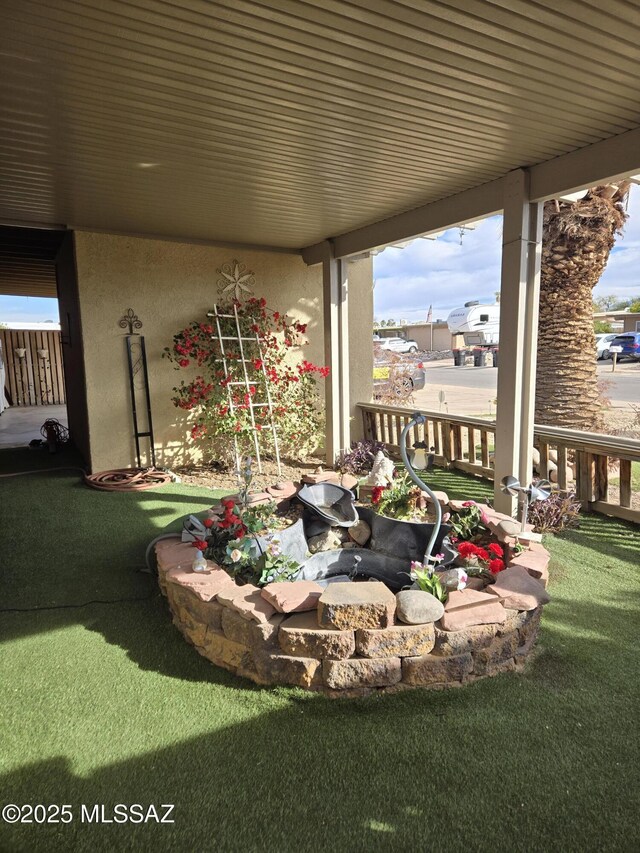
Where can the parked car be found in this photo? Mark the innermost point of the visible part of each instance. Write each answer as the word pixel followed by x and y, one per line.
pixel 630 343
pixel 397 344
pixel 394 376
pixel 602 345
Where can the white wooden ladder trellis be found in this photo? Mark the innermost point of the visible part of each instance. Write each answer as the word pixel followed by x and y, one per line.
pixel 246 383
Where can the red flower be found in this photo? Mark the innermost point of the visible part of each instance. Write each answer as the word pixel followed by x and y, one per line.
pixel 496 549
pixel 376 494
pixel 227 503
pixel 259 427
pixel 324 372
pixel 467 549
pixel 496 566
pixel 184 362
pixel 257 363
pixel 469 503
pixel 276 315
pixel 200 544
pixel 483 554
pixel 208 522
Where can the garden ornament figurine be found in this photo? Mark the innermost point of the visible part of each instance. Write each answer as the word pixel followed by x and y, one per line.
pixel 419 458
pixel 382 471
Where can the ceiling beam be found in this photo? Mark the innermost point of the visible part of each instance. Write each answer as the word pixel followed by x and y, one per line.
pixel 613 158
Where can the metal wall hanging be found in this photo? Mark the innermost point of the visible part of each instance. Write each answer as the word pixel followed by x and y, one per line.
pixel 131 320
pixel 235 280
pixel 138 382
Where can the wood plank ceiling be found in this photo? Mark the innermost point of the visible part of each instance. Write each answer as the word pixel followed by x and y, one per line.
pixel 27 261
pixel 283 123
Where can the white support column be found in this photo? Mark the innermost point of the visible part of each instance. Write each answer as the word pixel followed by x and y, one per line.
pixel 343 379
pixel 519 296
pixel 336 345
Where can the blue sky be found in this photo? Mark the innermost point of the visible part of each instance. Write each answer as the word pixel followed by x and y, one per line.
pixel 439 272
pixel 445 274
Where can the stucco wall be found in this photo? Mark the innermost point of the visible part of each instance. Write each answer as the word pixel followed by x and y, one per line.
pixel 168 284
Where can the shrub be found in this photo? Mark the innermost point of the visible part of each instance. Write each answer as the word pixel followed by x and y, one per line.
pixel 359 458
pixel 227 413
pixel 559 512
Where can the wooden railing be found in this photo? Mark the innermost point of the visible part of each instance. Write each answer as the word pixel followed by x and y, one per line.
pixel 33 367
pixel 598 467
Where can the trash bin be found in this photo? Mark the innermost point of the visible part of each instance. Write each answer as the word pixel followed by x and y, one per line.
pixel 478 357
pixel 494 353
pixel 459 357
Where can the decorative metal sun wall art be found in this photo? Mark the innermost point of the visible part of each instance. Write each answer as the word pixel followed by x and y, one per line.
pixel 235 280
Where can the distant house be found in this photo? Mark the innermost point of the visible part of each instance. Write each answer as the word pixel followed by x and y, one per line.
pixel 429 336
pixel 621 321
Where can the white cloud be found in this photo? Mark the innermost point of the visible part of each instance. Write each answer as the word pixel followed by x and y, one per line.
pixel 445 274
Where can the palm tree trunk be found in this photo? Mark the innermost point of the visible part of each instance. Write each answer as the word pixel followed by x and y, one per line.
pixel 577 241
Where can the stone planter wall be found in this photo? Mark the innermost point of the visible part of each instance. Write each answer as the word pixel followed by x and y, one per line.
pixel 342 649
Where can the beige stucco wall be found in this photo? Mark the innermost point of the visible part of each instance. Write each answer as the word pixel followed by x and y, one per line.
pixel 360 274
pixel 168 284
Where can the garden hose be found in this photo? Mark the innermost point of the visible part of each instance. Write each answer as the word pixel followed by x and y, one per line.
pixel 417 419
pixel 127 479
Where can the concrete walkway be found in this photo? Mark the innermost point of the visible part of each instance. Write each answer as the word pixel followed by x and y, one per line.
pixel 20 424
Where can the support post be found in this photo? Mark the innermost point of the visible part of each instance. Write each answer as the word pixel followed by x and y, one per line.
pixel 519 297
pixel 336 344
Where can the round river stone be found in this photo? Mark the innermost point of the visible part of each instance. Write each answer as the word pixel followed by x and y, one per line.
pixel 415 607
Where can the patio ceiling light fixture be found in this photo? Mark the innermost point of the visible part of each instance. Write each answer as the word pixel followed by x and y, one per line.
pixel 538 491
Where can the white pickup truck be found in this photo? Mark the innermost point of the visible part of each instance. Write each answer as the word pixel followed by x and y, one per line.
pixel 396 344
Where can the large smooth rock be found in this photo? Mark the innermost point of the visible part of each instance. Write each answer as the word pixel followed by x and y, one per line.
pixel 348 606
pixel 415 607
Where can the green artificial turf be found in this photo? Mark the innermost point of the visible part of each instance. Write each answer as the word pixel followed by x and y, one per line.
pixel 106 703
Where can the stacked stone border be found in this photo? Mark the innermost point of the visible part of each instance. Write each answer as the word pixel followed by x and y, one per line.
pixel 353 655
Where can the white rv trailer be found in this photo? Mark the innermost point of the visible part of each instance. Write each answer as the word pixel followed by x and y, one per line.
pixel 478 323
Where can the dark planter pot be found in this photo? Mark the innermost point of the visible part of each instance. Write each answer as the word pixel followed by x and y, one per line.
pixel 405 540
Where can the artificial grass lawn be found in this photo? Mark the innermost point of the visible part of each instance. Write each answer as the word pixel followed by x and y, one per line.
pixel 106 703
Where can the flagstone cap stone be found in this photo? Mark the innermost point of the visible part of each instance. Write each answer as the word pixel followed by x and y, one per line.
pixel 348 606
pixel 519 590
pixel 171 553
pixel 468 607
pixel 206 585
pixel 288 597
pixel 247 601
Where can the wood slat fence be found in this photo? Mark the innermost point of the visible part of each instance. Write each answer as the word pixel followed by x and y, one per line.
pixel 598 467
pixel 35 377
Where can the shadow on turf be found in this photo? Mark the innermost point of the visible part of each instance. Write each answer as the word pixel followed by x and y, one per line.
pixel 380 774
